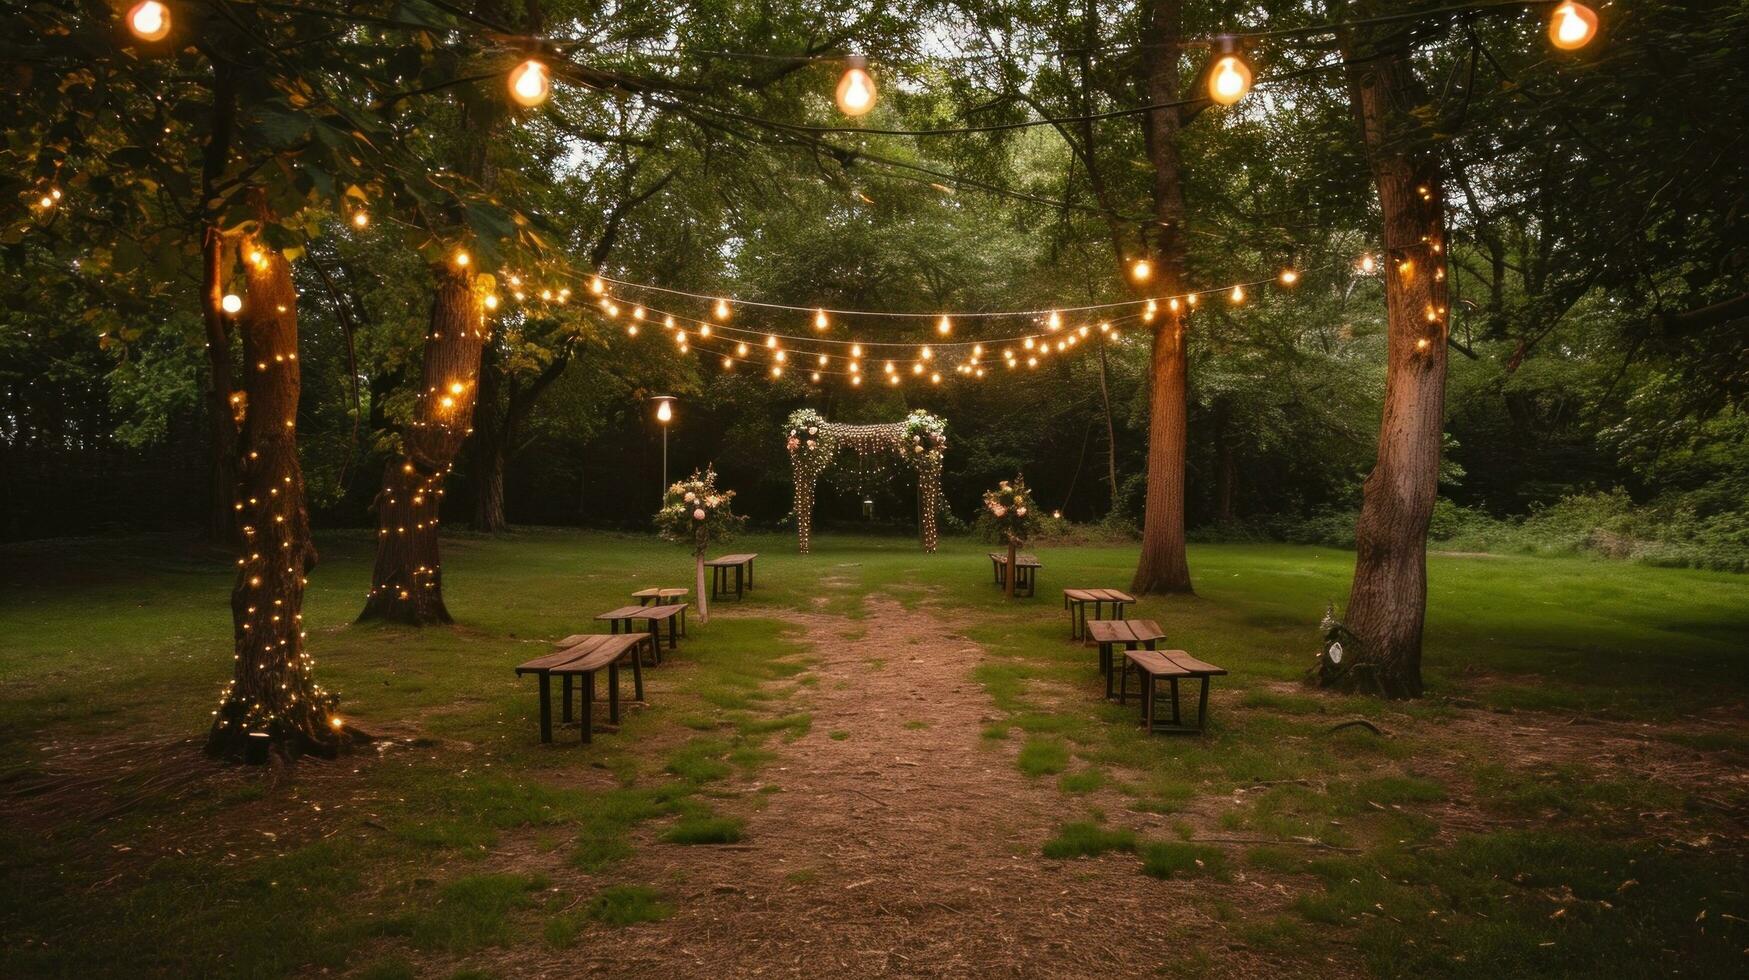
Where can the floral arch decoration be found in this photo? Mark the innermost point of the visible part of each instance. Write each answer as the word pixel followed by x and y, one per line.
pixel 919 442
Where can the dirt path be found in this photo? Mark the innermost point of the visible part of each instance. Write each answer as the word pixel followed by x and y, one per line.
pixel 909 847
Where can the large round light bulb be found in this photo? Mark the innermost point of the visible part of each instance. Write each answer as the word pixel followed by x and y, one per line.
pixel 665 411
pixel 856 89
pixel 1572 26
pixel 149 20
pixel 231 303
pixel 1229 80
pixel 530 84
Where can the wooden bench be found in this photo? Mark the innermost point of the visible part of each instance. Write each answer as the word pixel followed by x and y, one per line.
pixel 1076 600
pixel 580 656
pixel 664 597
pixel 654 616
pixel 720 574
pixel 1152 666
pixel 1025 571
pixel 1108 633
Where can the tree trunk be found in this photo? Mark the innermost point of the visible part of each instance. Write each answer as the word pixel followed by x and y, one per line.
pixel 1110 427
pixel 489 449
pixel 221 400
pixel 407 581
pixel 1162 566
pixel 1226 467
pixel 1388 602
pixel 272 691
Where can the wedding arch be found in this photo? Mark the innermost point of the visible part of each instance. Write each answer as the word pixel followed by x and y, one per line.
pixel 867 452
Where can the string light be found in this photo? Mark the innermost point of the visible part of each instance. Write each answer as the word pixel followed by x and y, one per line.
pixel 1288 277
pixel 944 326
pixel 149 20
pixel 360 219
pixel 231 303
pixel 1237 295
pixel 856 88
pixel 491 302
pixel 1368 264
pixel 530 84
pixel 1572 26
pixel 1141 270
pixel 721 310
pixel 1230 76
pixel 820 322
pixel 462 258
pixel 1054 321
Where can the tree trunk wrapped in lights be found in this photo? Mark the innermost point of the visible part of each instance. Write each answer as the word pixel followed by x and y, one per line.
pixel 1388 602
pixel 407 580
pixel 919 442
pixel 272 691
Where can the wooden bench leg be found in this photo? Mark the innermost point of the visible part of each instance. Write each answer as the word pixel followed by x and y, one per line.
pixel 673 638
pixel 546 708
pixel 1147 680
pixel 1176 719
pixel 1123 680
pixel 1105 667
pixel 588 718
pixel 1202 705
pixel 613 692
pixel 565 694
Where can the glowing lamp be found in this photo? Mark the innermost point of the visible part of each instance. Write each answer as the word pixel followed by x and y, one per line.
pixel 360 219
pixel 1141 270
pixel 1229 76
pixel 819 319
pixel 944 326
pixel 665 411
pixel 1289 277
pixel 231 303
pixel 1572 26
pixel 856 89
pixel 149 20
pixel 530 84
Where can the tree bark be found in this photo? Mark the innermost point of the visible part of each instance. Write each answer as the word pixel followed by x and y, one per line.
pixel 489 449
pixel 221 400
pixel 407 581
pixel 1162 566
pixel 272 691
pixel 1110 427
pixel 1388 602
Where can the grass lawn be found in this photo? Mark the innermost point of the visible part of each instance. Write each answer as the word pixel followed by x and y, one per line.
pixel 1567 799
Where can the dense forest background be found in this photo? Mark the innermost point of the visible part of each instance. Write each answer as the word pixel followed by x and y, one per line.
pixel 1596 211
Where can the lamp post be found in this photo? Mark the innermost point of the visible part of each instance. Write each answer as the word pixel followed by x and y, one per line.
pixel 664 415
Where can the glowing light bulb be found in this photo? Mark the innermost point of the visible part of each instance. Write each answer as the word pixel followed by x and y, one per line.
pixel 1572 26
pixel 1368 264
pixel 1055 322
pixel 721 310
pixel 822 360
pixel 1229 80
pixel 704 330
pixel 665 410
pixel 926 353
pixel 462 259
pixel 771 341
pixel 1289 277
pixel 944 326
pixel 637 313
pixel 360 219
pixel 728 365
pixel 530 84
pixel 820 320
pixel 1190 300
pixel 855 350
pixel 491 302
pixel 231 303
pixel 856 89
pixel 596 286
pixel 1237 295
pixel 1141 270
pixel 149 20
pixel 741 349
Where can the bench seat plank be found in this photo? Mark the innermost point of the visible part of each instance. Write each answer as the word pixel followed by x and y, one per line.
pixel 1191 664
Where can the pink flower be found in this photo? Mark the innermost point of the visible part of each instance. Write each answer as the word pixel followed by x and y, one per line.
pixel 1020 512
pixel 999 510
pixel 698 515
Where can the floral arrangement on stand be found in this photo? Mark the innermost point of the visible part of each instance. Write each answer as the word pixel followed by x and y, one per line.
pixel 924 435
pixel 1014 514
pixel 694 512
